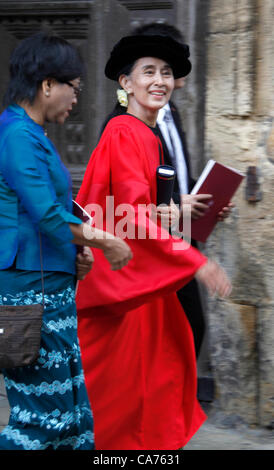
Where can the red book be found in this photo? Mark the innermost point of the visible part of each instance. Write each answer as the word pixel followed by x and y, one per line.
pixel 222 182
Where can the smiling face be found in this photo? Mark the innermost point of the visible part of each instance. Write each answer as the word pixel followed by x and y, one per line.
pixel 149 86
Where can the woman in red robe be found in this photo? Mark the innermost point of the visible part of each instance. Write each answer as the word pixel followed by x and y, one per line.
pixel 137 345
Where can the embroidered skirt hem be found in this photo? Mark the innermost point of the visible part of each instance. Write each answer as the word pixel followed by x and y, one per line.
pixel 49 407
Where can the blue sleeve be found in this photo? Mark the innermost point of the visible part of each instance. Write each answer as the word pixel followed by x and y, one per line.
pixel 26 171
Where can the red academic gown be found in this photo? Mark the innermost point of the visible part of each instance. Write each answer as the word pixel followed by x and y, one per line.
pixel 137 345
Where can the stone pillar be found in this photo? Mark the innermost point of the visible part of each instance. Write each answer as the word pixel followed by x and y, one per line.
pixel 239 133
pixel 191 20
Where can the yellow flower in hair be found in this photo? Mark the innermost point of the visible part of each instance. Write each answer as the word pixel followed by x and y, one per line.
pixel 122 97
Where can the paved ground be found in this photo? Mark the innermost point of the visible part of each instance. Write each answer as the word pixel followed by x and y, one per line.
pixel 213 436
pixel 209 437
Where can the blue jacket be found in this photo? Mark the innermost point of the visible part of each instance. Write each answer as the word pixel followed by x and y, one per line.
pixel 35 194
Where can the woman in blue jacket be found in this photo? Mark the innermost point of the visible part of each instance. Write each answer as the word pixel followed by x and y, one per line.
pixel 49 408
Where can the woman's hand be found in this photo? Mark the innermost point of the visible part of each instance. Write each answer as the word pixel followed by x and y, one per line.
pixel 84 263
pixel 197 202
pixel 225 212
pixel 117 252
pixel 214 278
pixel 169 215
pixel 199 205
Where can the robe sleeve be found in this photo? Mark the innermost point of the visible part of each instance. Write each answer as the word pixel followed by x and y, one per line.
pixel 120 167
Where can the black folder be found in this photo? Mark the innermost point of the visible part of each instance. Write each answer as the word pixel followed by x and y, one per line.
pixel 79 212
pixel 165 175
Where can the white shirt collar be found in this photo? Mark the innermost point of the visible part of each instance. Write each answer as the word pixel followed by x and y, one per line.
pixel 161 113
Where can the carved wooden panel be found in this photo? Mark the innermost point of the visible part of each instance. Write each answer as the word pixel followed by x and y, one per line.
pixel 70 20
pixel 147 5
pixel 144 11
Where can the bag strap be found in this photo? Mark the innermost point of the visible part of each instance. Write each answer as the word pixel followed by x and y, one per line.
pixel 161 153
pixel 42 271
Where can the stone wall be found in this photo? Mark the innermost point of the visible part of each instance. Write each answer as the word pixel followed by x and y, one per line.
pixel 239 132
pixel 191 20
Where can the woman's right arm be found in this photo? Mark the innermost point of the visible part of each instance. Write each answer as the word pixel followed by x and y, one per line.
pixel 116 251
pixel 25 169
pixel 214 278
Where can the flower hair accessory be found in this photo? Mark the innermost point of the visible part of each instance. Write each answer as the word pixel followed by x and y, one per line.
pixel 122 97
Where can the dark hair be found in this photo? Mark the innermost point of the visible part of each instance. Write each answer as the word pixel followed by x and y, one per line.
pixel 159 29
pixel 39 57
pixel 127 69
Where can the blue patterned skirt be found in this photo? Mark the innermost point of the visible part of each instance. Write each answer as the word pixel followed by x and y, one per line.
pixel 49 407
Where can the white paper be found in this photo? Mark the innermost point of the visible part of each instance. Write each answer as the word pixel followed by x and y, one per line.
pixel 203 176
pixel 210 164
pixel 84 212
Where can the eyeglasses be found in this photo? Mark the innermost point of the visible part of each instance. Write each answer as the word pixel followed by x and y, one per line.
pixel 77 90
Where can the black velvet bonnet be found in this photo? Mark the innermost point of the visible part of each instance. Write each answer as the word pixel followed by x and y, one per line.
pixel 131 48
